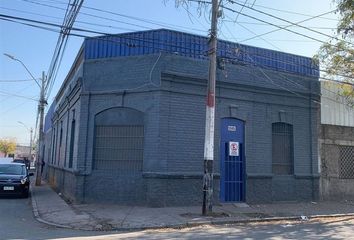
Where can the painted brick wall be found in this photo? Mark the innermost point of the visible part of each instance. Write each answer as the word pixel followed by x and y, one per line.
pixel 170 91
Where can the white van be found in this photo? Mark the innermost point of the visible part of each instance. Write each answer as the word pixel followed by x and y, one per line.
pixel 6 159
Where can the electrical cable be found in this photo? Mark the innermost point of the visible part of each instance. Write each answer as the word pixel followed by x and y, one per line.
pixel 16 80
pixel 201 53
pixel 242 7
pixel 269 23
pixel 292 23
pixel 261 56
pixel 16 95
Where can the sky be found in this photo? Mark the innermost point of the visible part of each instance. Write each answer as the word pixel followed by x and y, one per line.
pixel 35 47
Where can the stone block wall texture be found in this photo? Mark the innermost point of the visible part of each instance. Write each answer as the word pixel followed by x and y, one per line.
pixel 333 186
pixel 170 91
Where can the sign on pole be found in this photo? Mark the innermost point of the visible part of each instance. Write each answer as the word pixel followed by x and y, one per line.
pixel 234 149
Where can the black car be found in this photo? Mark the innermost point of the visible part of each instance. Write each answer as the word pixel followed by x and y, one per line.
pixel 14 179
pixel 24 161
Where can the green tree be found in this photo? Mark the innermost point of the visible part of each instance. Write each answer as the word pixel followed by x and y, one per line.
pixel 337 56
pixel 7 146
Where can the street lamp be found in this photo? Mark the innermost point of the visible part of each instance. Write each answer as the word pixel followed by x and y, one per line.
pixel 18 60
pixel 31 132
pixel 42 102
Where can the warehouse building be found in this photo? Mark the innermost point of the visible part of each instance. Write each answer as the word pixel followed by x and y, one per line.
pixel 127 125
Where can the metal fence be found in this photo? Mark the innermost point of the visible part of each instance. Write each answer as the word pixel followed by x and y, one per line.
pixel 119 148
pixel 346 161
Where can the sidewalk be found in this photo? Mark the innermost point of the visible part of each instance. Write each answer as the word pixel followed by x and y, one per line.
pixel 50 208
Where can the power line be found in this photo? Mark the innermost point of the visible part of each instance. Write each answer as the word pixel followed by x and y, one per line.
pixel 48 16
pixel 269 23
pixel 284 27
pixel 12 108
pixel 203 53
pixel 272 24
pixel 280 25
pixel 19 96
pixel 144 20
pixel 287 21
pixel 68 22
pixel 122 36
pixel 243 5
pixel 132 38
pixel 291 12
pixel 88 14
pixel 16 80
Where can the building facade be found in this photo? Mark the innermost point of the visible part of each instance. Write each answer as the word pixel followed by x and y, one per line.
pixel 336 143
pixel 127 125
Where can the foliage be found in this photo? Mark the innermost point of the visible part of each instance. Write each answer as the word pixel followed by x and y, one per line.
pixel 7 146
pixel 337 56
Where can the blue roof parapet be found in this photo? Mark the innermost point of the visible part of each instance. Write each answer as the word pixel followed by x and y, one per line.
pixel 194 46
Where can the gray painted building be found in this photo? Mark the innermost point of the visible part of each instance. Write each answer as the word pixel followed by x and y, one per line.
pixel 127 125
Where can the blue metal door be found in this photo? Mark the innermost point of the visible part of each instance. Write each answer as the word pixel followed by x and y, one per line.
pixel 232 170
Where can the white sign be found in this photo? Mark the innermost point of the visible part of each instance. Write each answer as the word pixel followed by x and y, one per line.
pixel 234 149
pixel 231 128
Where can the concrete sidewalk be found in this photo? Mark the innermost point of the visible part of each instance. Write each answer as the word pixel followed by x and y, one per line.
pixel 50 208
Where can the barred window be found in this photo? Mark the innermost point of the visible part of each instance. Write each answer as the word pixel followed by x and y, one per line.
pixel 282 149
pixel 119 148
pixel 119 140
pixel 346 161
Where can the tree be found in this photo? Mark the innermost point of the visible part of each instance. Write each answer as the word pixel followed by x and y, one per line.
pixel 7 146
pixel 337 56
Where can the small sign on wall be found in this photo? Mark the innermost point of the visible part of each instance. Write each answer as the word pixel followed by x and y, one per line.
pixel 234 150
pixel 231 128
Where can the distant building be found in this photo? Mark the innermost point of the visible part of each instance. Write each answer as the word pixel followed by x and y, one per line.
pixel 127 125
pixel 22 152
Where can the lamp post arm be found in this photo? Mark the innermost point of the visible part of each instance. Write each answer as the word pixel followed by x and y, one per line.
pixel 29 72
pixel 18 60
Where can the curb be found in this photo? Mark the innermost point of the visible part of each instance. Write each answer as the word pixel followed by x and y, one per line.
pixel 228 221
pixel 38 217
pixel 182 225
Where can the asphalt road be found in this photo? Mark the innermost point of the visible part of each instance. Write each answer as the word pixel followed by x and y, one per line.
pixel 17 222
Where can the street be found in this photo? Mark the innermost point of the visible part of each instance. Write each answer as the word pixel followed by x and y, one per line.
pixel 17 222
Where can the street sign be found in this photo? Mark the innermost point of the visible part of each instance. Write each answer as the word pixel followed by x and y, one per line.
pixel 234 149
pixel 231 128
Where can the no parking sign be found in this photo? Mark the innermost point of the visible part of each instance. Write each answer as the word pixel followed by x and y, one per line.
pixel 234 149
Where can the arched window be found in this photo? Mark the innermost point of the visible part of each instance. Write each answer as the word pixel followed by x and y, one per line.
pixel 119 140
pixel 282 149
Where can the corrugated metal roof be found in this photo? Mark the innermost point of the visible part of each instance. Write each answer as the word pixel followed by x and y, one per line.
pixel 335 109
pixel 189 45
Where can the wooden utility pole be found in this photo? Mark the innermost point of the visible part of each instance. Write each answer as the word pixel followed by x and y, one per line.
pixel 210 116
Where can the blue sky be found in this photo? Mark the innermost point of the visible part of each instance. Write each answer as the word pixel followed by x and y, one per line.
pixel 35 47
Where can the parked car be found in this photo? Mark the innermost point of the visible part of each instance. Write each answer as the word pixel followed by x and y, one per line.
pixel 14 179
pixel 24 161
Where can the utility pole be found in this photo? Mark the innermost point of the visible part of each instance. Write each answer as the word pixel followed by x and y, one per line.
pixel 30 151
pixel 210 116
pixel 41 105
pixel 31 133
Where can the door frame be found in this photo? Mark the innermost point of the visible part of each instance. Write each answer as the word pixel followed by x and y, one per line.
pixel 222 155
